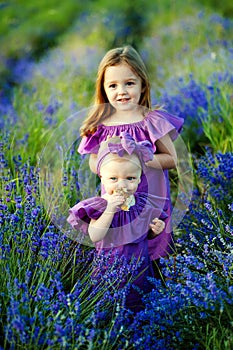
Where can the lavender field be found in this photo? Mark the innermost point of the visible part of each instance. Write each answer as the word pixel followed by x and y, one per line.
pixel 49 299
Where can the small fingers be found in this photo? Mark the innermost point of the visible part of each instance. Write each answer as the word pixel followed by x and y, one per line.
pixel 157 226
pixel 117 199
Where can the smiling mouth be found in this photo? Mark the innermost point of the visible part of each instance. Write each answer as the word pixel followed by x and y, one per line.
pixel 122 100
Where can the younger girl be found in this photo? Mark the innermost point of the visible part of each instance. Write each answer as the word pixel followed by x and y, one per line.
pixel 123 104
pixel 120 221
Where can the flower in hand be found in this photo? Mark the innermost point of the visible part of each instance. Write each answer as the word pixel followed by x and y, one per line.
pixel 129 199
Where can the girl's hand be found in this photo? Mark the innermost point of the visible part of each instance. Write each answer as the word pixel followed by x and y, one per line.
pixel 114 200
pixel 156 227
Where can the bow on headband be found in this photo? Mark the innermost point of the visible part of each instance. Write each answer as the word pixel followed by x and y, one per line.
pixel 142 149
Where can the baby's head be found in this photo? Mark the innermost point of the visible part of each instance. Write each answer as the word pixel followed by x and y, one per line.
pixel 121 174
pixel 120 163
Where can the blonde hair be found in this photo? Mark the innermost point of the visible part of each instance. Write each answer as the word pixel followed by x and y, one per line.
pixel 102 108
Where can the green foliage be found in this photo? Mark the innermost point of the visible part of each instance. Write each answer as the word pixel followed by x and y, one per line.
pixel 218 127
pixel 32 26
pixel 219 338
pixel 225 7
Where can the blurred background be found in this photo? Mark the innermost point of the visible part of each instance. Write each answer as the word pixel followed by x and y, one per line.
pixel 28 29
pixel 50 52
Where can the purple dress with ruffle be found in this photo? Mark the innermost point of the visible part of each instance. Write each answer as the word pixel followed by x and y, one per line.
pixel 153 127
pixel 127 235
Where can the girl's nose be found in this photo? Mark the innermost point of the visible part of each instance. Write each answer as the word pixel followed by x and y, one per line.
pixel 122 90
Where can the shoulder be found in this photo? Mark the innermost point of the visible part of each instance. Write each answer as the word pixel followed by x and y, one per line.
pixel 160 122
pixel 83 212
pixel 162 114
pixel 90 143
pixel 91 206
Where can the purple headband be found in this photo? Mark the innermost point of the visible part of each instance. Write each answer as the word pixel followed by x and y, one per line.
pixel 142 149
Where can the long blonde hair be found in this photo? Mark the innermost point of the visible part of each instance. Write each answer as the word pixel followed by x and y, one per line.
pixel 102 108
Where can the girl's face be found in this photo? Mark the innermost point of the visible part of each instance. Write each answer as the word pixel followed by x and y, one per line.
pixel 121 173
pixel 122 87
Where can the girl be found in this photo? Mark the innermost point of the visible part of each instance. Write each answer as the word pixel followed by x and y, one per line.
pixel 121 221
pixel 122 103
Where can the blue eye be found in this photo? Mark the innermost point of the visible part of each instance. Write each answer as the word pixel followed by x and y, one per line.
pixel 113 178
pixel 131 178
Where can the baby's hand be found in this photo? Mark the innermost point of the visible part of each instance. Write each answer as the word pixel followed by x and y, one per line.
pixel 114 200
pixel 123 192
pixel 156 227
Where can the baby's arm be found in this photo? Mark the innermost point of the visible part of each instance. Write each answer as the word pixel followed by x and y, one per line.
pixel 156 227
pixel 166 158
pixel 99 228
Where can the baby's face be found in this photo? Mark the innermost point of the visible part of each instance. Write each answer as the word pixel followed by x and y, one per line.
pixel 121 173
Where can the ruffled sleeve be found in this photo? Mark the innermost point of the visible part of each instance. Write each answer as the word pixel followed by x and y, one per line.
pixel 160 123
pixel 81 214
pixel 89 144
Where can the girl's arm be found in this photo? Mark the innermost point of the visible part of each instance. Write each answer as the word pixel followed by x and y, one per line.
pixel 99 228
pixel 93 163
pixel 166 158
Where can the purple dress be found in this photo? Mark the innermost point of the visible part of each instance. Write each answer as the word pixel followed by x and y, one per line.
pixel 127 235
pixel 154 126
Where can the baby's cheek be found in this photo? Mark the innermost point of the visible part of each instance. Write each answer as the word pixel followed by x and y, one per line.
pixel 133 187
